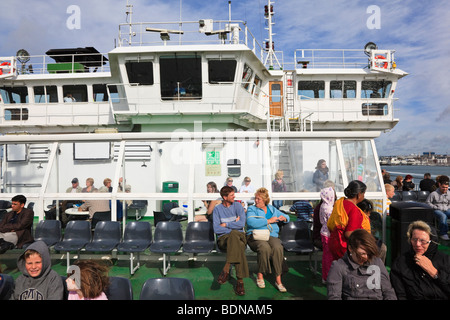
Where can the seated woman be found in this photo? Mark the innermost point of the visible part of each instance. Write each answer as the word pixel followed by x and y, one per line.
pixel 211 187
pixel 422 272
pixel 263 216
pixel 360 274
pixel 347 217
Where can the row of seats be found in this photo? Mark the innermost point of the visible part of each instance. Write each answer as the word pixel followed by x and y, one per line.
pixel 168 238
pixel 420 196
pixel 121 289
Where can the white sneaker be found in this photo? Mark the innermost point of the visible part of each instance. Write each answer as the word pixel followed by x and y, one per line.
pixel 444 237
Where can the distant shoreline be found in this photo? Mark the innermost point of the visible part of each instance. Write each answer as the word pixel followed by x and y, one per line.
pixel 416 165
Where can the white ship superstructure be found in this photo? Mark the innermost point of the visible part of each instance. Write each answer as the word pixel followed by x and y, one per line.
pixel 176 105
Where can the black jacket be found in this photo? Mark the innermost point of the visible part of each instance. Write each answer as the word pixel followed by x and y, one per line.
pixel 411 282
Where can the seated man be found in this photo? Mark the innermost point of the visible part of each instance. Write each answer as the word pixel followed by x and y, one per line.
pixel 229 222
pixel 427 184
pixel 15 226
pixel 303 209
pixel 439 200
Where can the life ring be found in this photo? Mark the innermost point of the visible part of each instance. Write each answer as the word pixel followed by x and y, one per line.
pixel 6 63
pixel 381 57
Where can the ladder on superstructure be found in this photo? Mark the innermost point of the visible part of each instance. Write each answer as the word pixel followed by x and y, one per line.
pixel 289 99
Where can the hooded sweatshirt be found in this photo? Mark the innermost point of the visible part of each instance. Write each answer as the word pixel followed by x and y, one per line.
pixel 47 286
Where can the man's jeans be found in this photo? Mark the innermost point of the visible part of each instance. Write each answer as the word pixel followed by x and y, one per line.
pixel 442 217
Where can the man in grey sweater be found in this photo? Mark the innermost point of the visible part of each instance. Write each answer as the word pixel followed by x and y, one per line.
pixel 439 200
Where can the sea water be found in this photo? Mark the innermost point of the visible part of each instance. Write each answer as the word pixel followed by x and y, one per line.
pixel 416 171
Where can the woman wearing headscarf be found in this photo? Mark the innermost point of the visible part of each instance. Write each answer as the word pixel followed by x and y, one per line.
pixel 347 217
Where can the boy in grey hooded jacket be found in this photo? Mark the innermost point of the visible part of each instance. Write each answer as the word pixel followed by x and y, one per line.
pixel 47 285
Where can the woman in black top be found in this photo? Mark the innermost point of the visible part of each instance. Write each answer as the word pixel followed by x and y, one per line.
pixel 423 272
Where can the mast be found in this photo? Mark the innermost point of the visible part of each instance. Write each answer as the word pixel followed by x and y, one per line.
pixel 130 14
pixel 268 14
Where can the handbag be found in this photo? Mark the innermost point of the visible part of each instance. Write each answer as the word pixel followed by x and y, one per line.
pixel 261 234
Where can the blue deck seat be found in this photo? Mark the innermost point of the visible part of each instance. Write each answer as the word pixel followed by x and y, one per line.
pixel 199 237
pixel 168 239
pixel 296 237
pixel 138 206
pixel 422 195
pixel 137 238
pixel 119 289
pixel 76 236
pixel 6 286
pixel 409 196
pixel 48 231
pixel 167 289
pixel 106 237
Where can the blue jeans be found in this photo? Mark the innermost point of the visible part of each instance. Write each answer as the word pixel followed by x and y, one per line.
pixel 442 217
pixel 277 203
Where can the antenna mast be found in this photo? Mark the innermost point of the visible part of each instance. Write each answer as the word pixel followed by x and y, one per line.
pixel 130 15
pixel 268 13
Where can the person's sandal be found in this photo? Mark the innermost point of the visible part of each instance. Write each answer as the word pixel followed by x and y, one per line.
pixel 280 287
pixel 223 277
pixel 260 283
pixel 240 291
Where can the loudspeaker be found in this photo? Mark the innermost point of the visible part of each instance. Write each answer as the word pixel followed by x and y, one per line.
pixel 402 214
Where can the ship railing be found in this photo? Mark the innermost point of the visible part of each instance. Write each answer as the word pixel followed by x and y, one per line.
pixel 201 32
pixel 347 109
pixel 330 58
pixel 75 63
pixel 62 114
pixel 245 96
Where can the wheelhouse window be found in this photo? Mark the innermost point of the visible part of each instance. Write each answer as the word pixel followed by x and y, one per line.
pixel 181 77
pixel 140 72
pixel 45 94
pixel 75 93
pixel 247 76
pixel 221 71
pixel 101 93
pixel 360 163
pixel 311 89
pixel 11 95
pixel 342 89
pixel 256 85
pixel 375 89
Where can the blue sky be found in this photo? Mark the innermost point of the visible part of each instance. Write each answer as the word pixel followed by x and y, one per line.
pixel 419 31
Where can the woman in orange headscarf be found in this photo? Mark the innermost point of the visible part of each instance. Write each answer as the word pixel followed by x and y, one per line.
pixel 346 218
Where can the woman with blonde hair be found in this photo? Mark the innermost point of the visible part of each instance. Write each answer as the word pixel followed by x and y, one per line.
pixel 278 185
pixel 89 186
pixel 263 216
